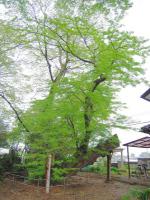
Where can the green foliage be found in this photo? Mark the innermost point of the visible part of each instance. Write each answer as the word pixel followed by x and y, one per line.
pixel 58 174
pixel 10 162
pixel 139 194
pixel 115 170
pixel 96 169
pixel 100 168
pixel 3 134
pixel 3 140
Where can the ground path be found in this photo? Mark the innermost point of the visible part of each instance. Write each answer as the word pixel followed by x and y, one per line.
pixel 93 188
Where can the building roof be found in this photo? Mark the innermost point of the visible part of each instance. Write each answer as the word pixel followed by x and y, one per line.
pixel 145 129
pixel 146 95
pixel 143 158
pixel 140 143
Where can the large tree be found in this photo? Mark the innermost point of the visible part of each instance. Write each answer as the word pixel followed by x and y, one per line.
pixel 89 59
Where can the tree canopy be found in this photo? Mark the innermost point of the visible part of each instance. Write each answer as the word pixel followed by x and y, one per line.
pixel 89 58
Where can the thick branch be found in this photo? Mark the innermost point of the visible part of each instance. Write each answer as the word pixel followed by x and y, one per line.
pixel 98 81
pixel 48 63
pixel 15 111
pixel 87 118
pixel 63 65
pixel 45 51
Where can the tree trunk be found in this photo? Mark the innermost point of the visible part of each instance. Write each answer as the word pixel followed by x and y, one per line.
pixel 83 147
pixel 88 112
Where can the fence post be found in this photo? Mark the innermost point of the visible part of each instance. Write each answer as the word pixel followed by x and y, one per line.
pixel 13 179
pixel 48 173
pixel 38 183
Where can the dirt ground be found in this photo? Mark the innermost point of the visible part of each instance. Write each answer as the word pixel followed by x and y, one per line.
pixel 83 188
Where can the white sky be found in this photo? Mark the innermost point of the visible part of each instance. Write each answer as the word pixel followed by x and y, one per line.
pixel 137 20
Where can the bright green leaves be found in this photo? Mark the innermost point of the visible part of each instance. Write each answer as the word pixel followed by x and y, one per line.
pixel 89 58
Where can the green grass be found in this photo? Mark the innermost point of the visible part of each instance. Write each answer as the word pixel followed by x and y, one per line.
pixel 137 194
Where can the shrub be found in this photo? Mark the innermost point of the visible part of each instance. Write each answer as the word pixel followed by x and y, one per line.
pixel 95 169
pixel 138 194
pixel 9 163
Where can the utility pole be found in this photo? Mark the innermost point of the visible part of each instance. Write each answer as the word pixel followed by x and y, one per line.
pixel 48 173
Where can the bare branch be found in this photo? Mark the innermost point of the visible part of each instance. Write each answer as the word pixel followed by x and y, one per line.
pixel 69 49
pixel 48 63
pixel 15 111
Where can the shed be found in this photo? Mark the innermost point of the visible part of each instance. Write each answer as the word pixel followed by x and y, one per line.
pixel 140 143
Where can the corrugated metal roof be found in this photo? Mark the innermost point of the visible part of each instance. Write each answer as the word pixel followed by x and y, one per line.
pixel 146 95
pixel 140 143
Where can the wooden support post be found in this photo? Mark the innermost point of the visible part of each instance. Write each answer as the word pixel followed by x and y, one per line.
pixel 121 157
pixel 129 172
pixel 48 174
pixel 109 167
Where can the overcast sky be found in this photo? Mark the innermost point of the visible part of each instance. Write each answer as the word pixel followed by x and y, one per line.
pixel 137 20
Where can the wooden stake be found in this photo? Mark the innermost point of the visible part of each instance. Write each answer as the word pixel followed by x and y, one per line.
pixel 121 157
pixel 48 174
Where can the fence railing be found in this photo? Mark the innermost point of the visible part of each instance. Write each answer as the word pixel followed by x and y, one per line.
pixel 64 194
pixel 68 181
